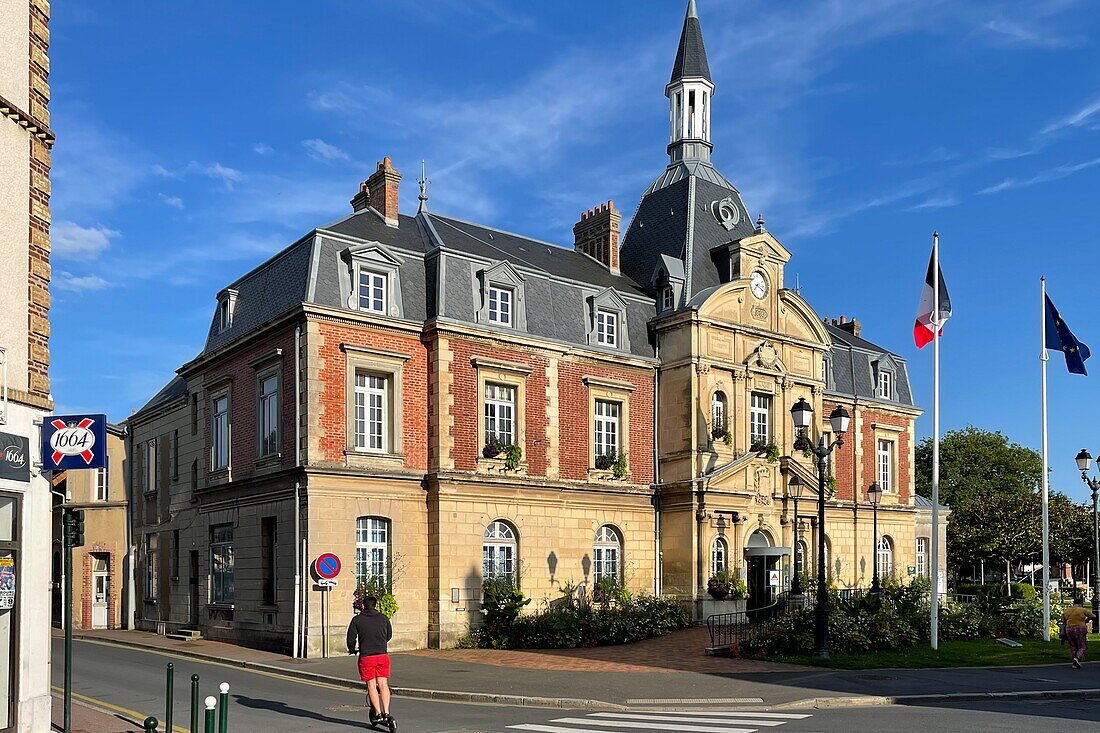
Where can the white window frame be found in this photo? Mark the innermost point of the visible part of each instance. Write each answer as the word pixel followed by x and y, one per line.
pixel 500 412
pixel 377 296
pixel 760 414
pixel 885 385
pixel 607 327
pixel 719 409
pixel 102 486
pixel 884 461
pixel 219 432
pixel 268 414
pixel 922 557
pixel 719 555
pixel 884 557
pixel 372 550
pixel 222 580
pixel 149 466
pixel 501 305
pixel 607 554
pixel 499 551
pixel 371 419
pixel 152 565
pixel 606 428
pixel 668 298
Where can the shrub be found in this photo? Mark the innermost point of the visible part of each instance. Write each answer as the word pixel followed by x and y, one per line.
pixel 605 461
pixel 618 468
pixel 501 603
pixel 387 603
pixel 731 582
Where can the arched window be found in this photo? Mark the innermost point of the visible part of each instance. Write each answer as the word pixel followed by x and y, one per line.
pixel 498 552
pixel 719 556
pixel 607 550
pixel 922 557
pixel 372 552
pixel 760 538
pixel 885 557
pixel 718 413
pixel 828 555
pixel 800 557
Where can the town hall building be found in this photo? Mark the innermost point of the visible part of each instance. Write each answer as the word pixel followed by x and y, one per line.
pixel 438 402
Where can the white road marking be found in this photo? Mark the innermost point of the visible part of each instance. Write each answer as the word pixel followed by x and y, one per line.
pixel 648 726
pixel 552 729
pixel 784 716
pixel 699 717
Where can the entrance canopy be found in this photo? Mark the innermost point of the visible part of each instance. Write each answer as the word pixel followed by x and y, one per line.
pixel 767 551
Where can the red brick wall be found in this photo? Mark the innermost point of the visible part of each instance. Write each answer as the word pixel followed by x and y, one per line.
pixel 87 589
pixel 844 458
pixel 334 398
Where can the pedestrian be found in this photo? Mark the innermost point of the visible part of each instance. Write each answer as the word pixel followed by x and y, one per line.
pixel 369 633
pixel 1076 620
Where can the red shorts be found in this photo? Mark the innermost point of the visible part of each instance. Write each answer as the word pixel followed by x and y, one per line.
pixel 376 665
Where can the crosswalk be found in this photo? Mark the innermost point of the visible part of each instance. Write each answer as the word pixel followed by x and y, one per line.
pixel 657 720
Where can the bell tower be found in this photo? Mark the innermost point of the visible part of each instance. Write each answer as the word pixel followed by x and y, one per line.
pixel 689 93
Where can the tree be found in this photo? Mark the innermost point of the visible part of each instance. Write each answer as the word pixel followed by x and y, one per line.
pixel 1070 531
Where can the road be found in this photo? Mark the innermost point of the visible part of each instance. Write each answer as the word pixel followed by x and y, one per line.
pixel 133 680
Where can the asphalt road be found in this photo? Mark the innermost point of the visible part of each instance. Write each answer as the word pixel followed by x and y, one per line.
pixel 134 680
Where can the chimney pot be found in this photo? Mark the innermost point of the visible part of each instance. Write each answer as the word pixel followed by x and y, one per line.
pixel 380 192
pixel 597 234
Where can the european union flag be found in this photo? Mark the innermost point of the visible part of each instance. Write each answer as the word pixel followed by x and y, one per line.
pixel 1060 337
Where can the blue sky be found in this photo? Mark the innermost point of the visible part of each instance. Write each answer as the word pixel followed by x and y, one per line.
pixel 195 139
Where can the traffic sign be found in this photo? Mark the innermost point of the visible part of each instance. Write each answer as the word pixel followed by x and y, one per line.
pixel 327 565
pixel 74 441
pixel 327 583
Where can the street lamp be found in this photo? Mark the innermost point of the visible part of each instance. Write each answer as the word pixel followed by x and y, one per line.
pixel 874 495
pixel 802 413
pixel 1084 458
pixel 794 488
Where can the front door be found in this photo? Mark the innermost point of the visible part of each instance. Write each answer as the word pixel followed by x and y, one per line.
pixel 101 587
pixel 193 590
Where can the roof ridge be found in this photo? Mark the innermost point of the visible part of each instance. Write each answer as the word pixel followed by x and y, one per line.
pixel 273 258
pixel 502 231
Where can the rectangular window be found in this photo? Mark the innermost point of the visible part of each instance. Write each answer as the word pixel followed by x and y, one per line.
pixel 885 385
pixel 922 557
pixel 102 491
pixel 194 413
pixel 372 291
pixel 498 560
pixel 221 564
pixel 667 298
pixel 149 466
pixel 500 401
pixel 607 327
pixel 500 306
pixel 175 569
pixel 606 565
pixel 760 410
pixel 825 371
pixel 371 412
pixel 372 552
pixel 269 415
pixel 606 428
pixel 268 542
pixel 886 465
pixel 224 315
pixel 219 433
pixel 152 562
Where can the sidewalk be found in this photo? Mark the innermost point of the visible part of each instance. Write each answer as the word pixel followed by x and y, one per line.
pixel 88 720
pixel 665 670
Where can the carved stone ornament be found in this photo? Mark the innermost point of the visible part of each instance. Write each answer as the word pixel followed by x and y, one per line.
pixel 760 313
pixel 726 212
pixel 702 368
pixel 761 482
pixel 767 355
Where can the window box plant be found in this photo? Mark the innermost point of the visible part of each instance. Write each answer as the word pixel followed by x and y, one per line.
pixel 604 461
pixel 770 451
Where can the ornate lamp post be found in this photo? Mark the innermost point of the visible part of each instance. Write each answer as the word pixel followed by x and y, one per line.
pixel 802 413
pixel 794 488
pixel 874 495
pixel 1084 458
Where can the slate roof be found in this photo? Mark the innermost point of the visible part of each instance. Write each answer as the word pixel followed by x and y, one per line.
pixel 852 368
pixel 921 502
pixel 691 56
pixel 175 389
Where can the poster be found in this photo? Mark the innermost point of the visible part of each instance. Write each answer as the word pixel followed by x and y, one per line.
pixel 7 582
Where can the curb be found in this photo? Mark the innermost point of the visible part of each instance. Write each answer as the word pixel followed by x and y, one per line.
pixel 876 700
pixel 483 698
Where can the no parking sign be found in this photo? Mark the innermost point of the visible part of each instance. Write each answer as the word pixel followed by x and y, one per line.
pixel 327 566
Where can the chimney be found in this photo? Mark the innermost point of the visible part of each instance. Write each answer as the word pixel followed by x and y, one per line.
pixel 380 192
pixel 853 326
pixel 597 235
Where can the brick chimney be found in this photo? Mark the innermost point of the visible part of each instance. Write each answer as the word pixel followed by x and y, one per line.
pixel 380 192
pixel 853 326
pixel 597 235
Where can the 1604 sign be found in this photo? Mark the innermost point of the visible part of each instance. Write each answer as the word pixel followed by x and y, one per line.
pixel 74 441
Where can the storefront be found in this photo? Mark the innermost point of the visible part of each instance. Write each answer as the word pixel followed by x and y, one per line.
pixel 10 506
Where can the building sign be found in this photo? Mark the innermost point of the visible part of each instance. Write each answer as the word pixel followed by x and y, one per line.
pixel 74 441
pixel 15 462
pixel 7 582
pixel 773 578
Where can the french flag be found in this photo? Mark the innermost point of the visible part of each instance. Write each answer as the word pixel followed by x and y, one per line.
pixel 924 331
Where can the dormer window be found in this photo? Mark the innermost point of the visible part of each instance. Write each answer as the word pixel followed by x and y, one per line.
pixel 500 305
pixel 885 384
pixel 227 304
pixel 668 299
pixel 223 315
pixel 607 327
pixel 372 291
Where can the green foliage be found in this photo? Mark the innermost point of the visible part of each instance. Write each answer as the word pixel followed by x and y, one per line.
pixel 512 456
pixel 618 468
pixel 770 451
pixel 379 589
pixel 605 461
pixel 727 583
pixel 1019 590
pixel 495 447
pixel 571 623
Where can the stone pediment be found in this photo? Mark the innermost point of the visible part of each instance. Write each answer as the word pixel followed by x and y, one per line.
pixel 766 357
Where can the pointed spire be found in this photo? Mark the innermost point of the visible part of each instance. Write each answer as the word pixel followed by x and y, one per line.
pixel 691 56
pixel 423 186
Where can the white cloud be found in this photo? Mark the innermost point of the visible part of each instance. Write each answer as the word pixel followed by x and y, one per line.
pixel 69 282
pixel 228 176
pixel 939 201
pixel 1051 174
pixel 93 171
pixel 69 240
pixel 320 150
pixel 262 149
pixel 174 201
pixel 1080 117
pixel 1012 33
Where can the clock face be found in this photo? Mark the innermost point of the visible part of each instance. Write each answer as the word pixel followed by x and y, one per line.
pixel 758 285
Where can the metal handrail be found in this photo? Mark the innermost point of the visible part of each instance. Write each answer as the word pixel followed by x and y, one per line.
pixel 727 629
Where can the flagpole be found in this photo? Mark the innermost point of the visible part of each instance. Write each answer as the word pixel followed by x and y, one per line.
pixel 935 623
pixel 1046 488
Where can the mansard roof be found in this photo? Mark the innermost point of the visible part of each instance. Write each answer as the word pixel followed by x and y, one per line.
pixel 852 370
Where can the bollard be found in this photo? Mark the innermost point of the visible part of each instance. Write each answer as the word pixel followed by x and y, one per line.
pixel 151 724
pixel 223 708
pixel 194 704
pixel 210 704
pixel 169 688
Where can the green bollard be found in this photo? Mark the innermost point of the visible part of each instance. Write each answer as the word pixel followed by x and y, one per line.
pixel 194 704
pixel 223 708
pixel 210 705
pixel 151 724
pixel 169 689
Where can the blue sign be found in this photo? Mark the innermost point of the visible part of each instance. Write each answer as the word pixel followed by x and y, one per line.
pixel 74 441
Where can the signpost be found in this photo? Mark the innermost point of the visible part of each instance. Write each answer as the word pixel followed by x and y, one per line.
pixel 326 567
pixel 70 443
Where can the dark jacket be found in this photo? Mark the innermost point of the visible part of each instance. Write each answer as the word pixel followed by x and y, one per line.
pixel 368 632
